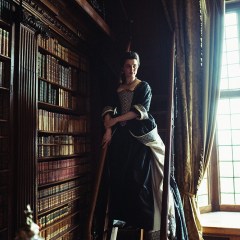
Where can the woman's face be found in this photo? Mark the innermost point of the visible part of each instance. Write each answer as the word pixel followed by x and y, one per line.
pixel 130 68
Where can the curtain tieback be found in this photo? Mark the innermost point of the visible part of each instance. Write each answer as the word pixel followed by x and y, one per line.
pixel 189 194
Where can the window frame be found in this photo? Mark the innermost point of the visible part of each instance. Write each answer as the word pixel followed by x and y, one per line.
pixel 213 169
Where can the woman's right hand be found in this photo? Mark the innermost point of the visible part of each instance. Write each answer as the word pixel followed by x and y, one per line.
pixel 106 137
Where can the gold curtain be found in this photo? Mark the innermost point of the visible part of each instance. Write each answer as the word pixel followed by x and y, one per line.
pixel 198 27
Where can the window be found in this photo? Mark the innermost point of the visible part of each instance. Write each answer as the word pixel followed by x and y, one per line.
pixel 228 117
pixel 225 173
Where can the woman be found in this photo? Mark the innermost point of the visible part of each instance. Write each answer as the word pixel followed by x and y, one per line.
pixel 136 152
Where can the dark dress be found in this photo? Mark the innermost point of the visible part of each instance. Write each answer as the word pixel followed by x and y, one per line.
pixel 130 160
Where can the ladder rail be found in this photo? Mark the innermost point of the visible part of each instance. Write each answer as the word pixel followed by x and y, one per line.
pixel 95 192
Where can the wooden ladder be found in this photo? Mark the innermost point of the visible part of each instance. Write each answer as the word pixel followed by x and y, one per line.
pixel 126 234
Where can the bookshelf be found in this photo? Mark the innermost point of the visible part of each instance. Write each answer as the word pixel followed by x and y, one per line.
pixel 5 119
pixel 63 140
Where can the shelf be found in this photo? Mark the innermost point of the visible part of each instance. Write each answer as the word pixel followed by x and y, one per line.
pixel 61 220
pixel 59 206
pixel 56 84
pixel 4 58
pixel 95 16
pixel 40 132
pixel 43 50
pixel 3 229
pixel 55 108
pixel 42 159
pixel 61 181
pixel 4 89
pixel 4 24
pixel 4 137
pixel 64 233
pixel 3 121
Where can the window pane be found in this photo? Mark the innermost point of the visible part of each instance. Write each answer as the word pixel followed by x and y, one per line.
pixel 227 198
pixel 237 185
pixel 237 199
pixel 234 82
pixel 225 153
pixel 226 185
pixel 224 62
pixel 224 122
pixel 203 200
pixel 231 31
pixel 236 166
pixel 203 188
pixel 224 71
pixel 226 169
pixel 224 83
pixel 236 137
pixel 224 137
pixel 235 121
pixel 232 44
pixel 235 105
pixel 233 70
pixel 233 57
pixel 236 152
pixel 224 106
pixel 230 19
pixel 202 194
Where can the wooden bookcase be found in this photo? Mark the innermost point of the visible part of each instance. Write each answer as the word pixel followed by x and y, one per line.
pixel 46 143
pixel 63 140
pixel 5 118
pixel 53 153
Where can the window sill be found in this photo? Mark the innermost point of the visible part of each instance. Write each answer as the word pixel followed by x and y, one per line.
pixel 221 224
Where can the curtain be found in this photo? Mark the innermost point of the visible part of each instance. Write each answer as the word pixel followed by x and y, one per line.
pixel 198 27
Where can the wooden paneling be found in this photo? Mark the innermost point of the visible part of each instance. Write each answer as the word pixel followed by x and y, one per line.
pixel 25 157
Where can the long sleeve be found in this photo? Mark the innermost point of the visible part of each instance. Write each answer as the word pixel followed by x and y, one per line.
pixel 141 105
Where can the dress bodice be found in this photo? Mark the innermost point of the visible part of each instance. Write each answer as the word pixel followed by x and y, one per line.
pixel 125 99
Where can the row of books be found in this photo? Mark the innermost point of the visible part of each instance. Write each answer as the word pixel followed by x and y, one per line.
pixel 57 122
pixel 46 204
pixel 5 8
pixel 62 150
pixel 59 228
pixel 63 163
pixel 60 174
pixel 4 42
pixel 4 105
pixel 53 46
pixel 62 187
pixel 51 94
pixel 61 140
pixel 49 68
pixel 56 215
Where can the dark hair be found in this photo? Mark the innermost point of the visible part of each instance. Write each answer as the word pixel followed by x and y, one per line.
pixel 130 55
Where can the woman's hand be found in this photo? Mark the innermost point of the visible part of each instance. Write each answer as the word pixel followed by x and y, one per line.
pixel 108 123
pixel 106 137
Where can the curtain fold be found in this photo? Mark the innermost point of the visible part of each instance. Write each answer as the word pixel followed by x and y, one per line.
pixel 198 27
pixel 212 28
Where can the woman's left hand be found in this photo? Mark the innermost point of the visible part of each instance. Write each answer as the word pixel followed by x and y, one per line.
pixel 110 122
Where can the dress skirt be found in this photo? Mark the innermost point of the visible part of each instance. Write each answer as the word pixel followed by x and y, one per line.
pixel 131 195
